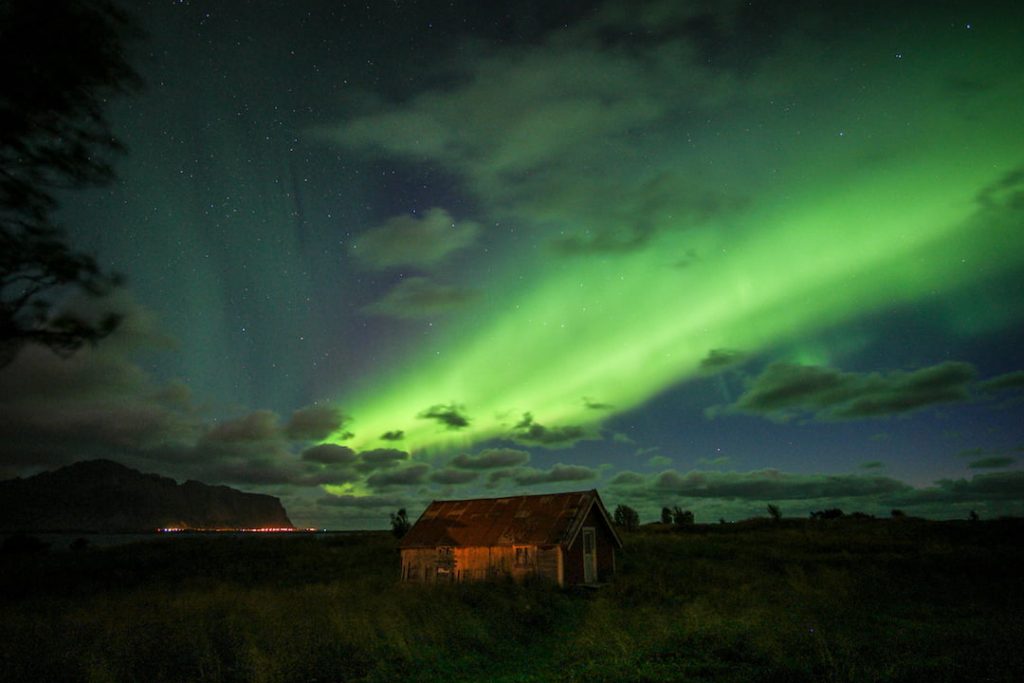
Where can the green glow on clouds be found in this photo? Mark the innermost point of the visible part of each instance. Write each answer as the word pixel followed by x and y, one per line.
pixel 764 215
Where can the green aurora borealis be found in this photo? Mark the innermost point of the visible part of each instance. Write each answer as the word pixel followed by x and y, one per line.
pixel 714 254
pixel 866 200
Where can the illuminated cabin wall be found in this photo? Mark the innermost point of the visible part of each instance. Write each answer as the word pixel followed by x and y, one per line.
pixel 434 565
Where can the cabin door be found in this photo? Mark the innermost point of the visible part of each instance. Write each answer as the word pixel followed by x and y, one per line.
pixel 589 555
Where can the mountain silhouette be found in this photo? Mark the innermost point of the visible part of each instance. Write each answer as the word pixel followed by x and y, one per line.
pixel 105 496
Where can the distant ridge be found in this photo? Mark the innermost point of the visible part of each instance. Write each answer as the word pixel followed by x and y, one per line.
pixel 105 496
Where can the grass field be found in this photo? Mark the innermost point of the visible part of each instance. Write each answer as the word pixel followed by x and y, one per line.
pixel 835 600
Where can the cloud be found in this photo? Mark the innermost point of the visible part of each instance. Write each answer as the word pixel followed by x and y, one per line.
pixel 1007 192
pixel 872 465
pixel 406 476
pixel 529 431
pixel 992 462
pixel 491 458
pixel 596 405
pixel 738 494
pixel 453 477
pixel 329 454
pixel 419 297
pixel 545 133
pixel 771 484
pixel 380 458
pixel 361 502
pixel 314 423
pixel 258 426
pixel 659 461
pixel 451 416
pixel 95 403
pixel 995 486
pixel 719 359
pixel 637 211
pixel 786 390
pixel 497 476
pixel 528 476
pixel 396 435
pixel 414 241
pixel 1009 381
pixel 628 478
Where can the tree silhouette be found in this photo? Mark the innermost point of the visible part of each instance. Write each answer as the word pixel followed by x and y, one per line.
pixel 681 518
pixel 60 63
pixel 626 517
pixel 400 523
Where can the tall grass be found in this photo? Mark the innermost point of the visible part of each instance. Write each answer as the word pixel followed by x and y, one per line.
pixel 850 601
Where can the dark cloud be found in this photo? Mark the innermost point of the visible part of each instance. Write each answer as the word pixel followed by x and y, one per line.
pixel 259 425
pixel 528 430
pixel 1006 382
pixel 361 502
pixel 38 376
pixel 628 478
pixel 528 476
pixel 406 476
pixel 491 458
pixel 262 471
pixel 634 213
pixel 771 485
pixel 665 461
pixel 96 403
pixel 995 486
pixel 1005 193
pixel 453 477
pixel 497 476
pixel 746 492
pixel 596 405
pixel 396 435
pixel 380 458
pixel 314 423
pixel 414 240
pixel 329 454
pixel 718 359
pixel 992 462
pixel 420 297
pixel 785 390
pixel 451 416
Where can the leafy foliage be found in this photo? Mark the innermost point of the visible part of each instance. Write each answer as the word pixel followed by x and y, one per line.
pixel 400 523
pixel 626 517
pixel 681 518
pixel 54 136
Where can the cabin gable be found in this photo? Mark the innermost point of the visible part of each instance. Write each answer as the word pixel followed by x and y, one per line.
pixel 605 545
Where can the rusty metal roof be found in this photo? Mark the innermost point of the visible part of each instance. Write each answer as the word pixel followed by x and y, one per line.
pixel 547 519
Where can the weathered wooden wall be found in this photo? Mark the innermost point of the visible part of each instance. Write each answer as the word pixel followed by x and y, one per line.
pixel 430 565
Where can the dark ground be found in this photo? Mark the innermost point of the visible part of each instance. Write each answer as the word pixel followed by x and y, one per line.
pixel 800 600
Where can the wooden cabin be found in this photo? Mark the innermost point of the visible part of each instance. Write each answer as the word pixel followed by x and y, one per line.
pixel 565 537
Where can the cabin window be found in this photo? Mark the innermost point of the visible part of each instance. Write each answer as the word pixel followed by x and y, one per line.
pixel 445 558
pixel 522 555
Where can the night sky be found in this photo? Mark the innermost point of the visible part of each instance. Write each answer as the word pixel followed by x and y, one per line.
pixel 706 254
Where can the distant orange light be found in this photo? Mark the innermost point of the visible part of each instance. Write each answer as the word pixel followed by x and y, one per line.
pixel 267 529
